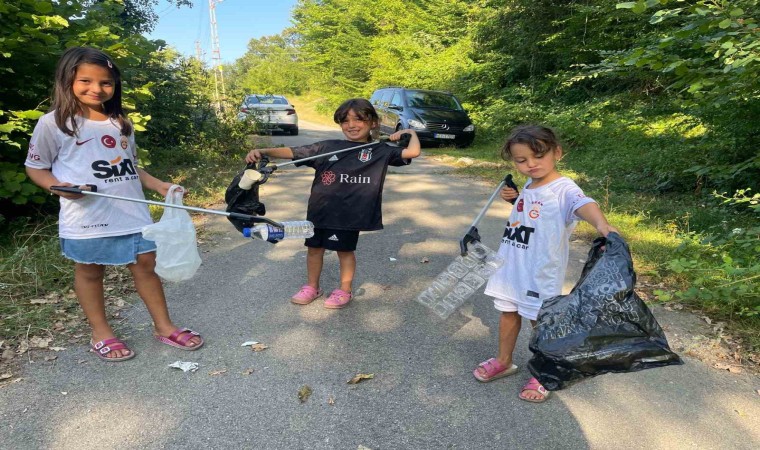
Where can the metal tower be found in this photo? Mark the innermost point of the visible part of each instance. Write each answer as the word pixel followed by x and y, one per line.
pixel 216 55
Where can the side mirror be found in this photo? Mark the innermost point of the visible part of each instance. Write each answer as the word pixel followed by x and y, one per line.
pixel 396 107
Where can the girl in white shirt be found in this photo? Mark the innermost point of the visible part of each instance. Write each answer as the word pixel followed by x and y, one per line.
pixel 87 139
pixel 535 244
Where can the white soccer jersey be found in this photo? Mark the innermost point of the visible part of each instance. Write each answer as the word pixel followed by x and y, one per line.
pixel 535 246
pixel 99 155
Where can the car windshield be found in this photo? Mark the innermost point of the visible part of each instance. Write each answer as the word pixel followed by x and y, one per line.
pixel 419 99
pixel 266 100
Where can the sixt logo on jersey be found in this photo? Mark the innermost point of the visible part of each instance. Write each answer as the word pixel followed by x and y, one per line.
pixel 517 235
pixel 114 170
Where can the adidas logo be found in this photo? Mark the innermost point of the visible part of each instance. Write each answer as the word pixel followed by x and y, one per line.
pixel 333 158
pixel 333 238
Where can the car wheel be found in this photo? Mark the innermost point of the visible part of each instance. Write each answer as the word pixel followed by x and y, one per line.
pixel 294 131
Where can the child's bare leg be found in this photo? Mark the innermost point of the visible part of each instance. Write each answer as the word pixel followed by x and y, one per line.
pixel 314 260
pixel 530 393
pixel 509 329
pixel 151 291
pixel 88 285
pixel 347 269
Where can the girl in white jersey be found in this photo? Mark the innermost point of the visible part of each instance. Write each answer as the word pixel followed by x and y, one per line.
pixel 87 139
pixel 535 244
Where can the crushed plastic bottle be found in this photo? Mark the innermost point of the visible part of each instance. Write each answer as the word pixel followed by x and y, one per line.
pixel 299 229
pixel 461 279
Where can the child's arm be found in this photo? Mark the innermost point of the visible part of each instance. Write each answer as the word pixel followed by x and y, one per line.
pixel 414 148
pixel 154 184
pixel 44 178
pixel 591 213
pixel 277 152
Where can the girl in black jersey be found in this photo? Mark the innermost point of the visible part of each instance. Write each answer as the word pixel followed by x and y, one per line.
pixel 346 194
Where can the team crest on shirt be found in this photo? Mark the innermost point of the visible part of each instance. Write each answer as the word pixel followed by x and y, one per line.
pixel 124 142
pixel 535 210
pixel 365 155
pixel 520 205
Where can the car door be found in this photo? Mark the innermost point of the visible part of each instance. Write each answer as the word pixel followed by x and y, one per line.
pixel 387 122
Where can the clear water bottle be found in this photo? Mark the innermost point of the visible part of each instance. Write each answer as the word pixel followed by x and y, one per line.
pixel 461 279
pixel 297 229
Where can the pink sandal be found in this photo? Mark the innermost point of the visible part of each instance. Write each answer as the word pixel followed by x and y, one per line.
pixel 106 346
pixel 534 385
pixel 338 299
pixel 493 370
pixel 306 295
pixel 180 339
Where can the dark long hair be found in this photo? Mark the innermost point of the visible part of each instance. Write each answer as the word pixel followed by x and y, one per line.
pixel 65 103
pixel 362 108
pixel 539 138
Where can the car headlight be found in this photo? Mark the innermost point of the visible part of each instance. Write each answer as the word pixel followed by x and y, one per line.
pixel 470 127
pixel 416 124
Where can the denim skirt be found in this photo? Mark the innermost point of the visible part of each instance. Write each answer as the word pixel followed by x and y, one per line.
pixel 111 251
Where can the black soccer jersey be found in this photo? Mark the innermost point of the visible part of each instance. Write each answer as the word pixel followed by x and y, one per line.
pixel 347 191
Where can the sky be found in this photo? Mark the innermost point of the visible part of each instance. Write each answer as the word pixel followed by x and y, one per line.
pixel 237 22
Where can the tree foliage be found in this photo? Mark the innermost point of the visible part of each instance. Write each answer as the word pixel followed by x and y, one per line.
pixel 33 35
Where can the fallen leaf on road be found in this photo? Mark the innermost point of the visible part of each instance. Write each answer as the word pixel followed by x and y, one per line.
pixel 735 369
pixel 51 358
pixel 707 319
pixel 64 393
pixel 722 366
pixel 217 372
pixel 360 377
pixel 247 371
pixel 8 354
pixel 258 347
pixel 424 260
pixel 331 400
pixel 304 393
pixel 392 259
pixel 758 392
pixel 249 343
pixel 23 347
pixel 39 342
pixel 5 376
pixel 42 301
pixel 57 349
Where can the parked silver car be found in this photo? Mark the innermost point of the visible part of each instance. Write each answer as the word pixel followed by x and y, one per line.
pixel 272 112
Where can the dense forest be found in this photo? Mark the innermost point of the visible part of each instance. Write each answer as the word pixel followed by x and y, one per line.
pixel 656 100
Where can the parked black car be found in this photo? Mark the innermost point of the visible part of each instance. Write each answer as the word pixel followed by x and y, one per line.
pixel 437 117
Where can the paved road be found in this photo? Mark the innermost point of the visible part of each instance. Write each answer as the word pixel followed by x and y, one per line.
pixel 423 395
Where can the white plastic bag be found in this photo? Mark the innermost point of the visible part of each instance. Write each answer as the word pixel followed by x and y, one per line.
pixel 177 257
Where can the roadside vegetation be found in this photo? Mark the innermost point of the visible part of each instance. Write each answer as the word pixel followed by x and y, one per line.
pixel 656 102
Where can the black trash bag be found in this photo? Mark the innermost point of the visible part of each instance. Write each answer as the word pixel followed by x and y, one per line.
pixel 243 201
pixel 601 326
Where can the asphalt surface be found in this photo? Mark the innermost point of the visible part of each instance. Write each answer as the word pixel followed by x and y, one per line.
pixel 422 395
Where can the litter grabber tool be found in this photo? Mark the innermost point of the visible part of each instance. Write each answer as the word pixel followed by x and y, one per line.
pixel 472 233
pixel 469 271
pixel 266 169
pixel 91 189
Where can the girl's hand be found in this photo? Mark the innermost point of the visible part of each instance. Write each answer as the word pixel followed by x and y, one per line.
pixel 606 229
pixel 66 195
pixel 253 156
pixel 164 187
pixel 508 194
pixel 397 135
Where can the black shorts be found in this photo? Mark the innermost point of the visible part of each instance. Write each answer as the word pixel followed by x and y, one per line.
pixel 337 240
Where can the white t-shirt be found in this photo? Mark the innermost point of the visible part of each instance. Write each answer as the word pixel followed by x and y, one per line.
pixel 536 243
pixel 98 155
